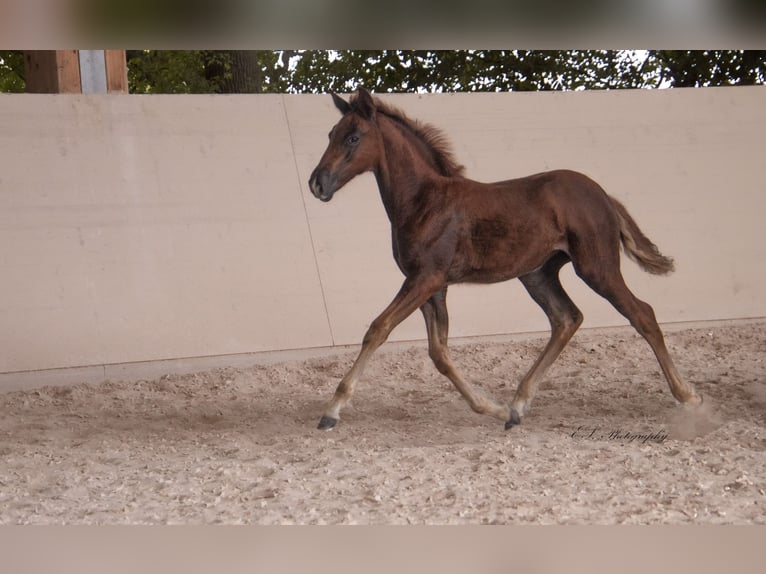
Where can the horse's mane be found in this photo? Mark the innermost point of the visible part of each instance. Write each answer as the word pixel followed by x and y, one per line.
pixel 434 141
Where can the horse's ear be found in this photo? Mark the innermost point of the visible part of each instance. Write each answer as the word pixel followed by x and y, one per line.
pixel 364 104
pixel 340 103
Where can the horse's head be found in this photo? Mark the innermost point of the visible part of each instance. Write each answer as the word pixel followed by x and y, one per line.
pixel 353 149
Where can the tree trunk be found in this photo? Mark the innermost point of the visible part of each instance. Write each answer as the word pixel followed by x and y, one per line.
pixel 246 74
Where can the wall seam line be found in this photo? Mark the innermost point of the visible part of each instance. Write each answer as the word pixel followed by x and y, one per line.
pixel 308 222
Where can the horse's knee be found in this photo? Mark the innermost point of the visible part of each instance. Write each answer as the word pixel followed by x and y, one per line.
pixel 376 335
pixel 568 322
pixel 565 324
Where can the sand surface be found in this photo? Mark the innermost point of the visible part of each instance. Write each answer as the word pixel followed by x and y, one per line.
pixel 603 443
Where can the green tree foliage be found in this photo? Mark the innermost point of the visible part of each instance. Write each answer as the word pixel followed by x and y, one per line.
pixel 173 72
pixel 311 71
pixel 11 71
pixel 464 70
pixel 711 67
pixel 207 71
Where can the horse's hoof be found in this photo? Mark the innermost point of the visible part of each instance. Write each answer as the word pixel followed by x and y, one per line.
pixel 514 420
pixel 326 423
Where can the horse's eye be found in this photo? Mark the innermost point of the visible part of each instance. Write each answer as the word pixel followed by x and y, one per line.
pixel 353 139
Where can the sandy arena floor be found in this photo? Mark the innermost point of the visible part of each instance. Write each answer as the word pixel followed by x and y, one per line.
pixel 240 446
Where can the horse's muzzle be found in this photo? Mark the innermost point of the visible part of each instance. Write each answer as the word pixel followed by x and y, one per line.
pixel 321 185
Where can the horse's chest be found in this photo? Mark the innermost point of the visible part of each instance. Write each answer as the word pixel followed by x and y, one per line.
pixel 421 248
pixel 404 251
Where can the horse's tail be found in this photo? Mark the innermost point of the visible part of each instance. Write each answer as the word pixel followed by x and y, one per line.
pixel 638 246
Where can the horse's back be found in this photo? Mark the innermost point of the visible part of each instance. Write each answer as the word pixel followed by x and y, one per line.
pixel 558 182
pixel 572 198
pixel 558 196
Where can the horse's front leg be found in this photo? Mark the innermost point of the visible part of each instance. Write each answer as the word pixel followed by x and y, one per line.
pixel 414 293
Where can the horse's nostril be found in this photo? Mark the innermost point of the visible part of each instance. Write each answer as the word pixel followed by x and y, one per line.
pixel 321 185
pixel 315 187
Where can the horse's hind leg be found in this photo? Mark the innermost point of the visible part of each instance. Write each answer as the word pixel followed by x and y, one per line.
pixel 437 325
pixel 565 318
pixel 606 279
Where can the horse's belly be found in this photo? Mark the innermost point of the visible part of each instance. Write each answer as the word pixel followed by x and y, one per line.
pixel 495 253
pixel 496 270
pixel 484 276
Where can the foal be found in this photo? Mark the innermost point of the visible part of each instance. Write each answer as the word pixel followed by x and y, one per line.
pixel 449 229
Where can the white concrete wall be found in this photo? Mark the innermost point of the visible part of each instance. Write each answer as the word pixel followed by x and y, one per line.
pixel 146 228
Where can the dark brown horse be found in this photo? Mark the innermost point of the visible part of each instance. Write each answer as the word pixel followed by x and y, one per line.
pixel 449 229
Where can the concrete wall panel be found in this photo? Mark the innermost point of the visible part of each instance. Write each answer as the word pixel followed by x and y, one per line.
pixel 137 229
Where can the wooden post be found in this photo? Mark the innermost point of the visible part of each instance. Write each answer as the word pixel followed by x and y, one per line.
pixel 58 71
pixel 116 72
pixel 52 71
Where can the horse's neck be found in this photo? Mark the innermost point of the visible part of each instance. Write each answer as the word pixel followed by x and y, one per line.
pixel 402 173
